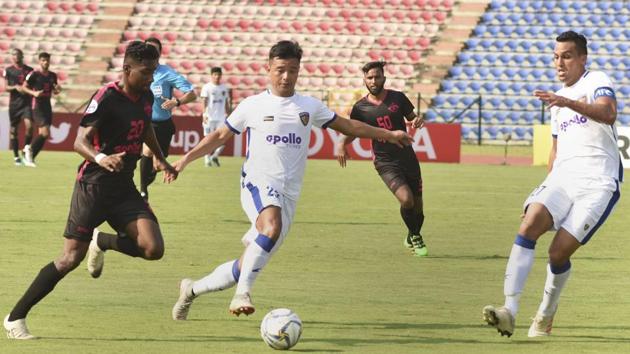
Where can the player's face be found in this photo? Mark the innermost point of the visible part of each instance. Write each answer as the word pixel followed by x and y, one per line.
pixel 139 75
pixel 283 74
pixel 44 63
pixel 17 58
pixel 570 65
pixel 374 81
pixel 216 78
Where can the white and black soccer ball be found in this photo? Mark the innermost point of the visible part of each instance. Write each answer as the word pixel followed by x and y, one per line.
pixel 281 329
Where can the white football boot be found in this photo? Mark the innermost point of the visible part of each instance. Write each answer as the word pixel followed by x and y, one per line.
pixel 182 306
pixel 242 303
pixel 501 319
pixel 17 329
pixel 95 257
pixel 541 326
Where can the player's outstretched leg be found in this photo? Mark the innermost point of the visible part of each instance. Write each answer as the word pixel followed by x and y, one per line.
pixel 95 257
pixel 242 303
pixel 186 297
pixel 500 318
pixel 17 329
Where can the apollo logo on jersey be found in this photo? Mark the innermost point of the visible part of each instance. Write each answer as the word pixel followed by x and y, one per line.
pixel 290 139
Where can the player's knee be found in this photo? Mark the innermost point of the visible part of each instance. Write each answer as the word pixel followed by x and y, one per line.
pixel 69 261
pixel 558 258
pixel 407 203
pixel 153 253
pixel 13 132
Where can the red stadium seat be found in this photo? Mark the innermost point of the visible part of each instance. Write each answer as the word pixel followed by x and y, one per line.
pixel 233 81
pixel 227 66
pixel 242 67
pixel 203 23
pixel 78 7
pixel 170 36
pixel 52 6
pixel 261 82
pixel 297 26
pixel 310 68
pixel 93 7
pixel 256 67
pixel 200 65
pixel 324 68
pixel 338 68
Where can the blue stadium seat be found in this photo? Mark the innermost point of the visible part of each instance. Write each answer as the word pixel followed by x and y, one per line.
pixel 624 119
pixel 455 71
pixel 439 100
pixel 506 131
pixel 431 115
pixel 521 132
pixel 624 90
pixel 447 86
pixel 475 87
pixel 462 86
pixel 492 131
pixel 466 131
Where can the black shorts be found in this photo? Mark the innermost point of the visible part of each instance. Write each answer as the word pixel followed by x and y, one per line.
pixel 42 114
pixel 17 113
pixel 164 131
pixel 396 174
pixel 92 204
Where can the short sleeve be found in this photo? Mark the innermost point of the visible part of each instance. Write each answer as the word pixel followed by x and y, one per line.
pixel 180 82
pixel 204 91
pixel 237 121
pixel 406 107
pixel 30 79
pixel 355 113
pixel 601 86
pixel 322 115
pixel 54 79
pixel 95 111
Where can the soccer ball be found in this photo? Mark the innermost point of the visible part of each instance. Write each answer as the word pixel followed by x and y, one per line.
pixel 281 329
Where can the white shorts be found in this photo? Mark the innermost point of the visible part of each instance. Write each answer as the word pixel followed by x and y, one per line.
pixel 579 205
pixel 255 197
pixel 211 126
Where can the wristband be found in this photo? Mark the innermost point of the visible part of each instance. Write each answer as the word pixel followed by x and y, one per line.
pixel 99 157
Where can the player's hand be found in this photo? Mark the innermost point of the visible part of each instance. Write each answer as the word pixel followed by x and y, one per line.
pixel 399 138
pixel 551 99
pixel 169 103
pixel 170 174
pixel 37 93
pixel 418 122
pixel 180 164
pixel 114 162
pixel 341 154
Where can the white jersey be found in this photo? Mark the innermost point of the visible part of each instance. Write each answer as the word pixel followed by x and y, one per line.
pixel 585 147
pixel 217 97
pixel 279 131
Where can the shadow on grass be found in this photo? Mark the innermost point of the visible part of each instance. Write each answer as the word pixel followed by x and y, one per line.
pixel 323 222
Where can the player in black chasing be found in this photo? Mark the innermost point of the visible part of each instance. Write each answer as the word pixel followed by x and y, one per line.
pixel 398 167
pixel 115 125
pixel 19 103
pixel 41 84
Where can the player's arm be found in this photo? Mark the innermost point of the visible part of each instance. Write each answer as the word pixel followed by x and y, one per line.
pixel 83 145
pixel 359 129
pixel 10 87
pixel 208 144
pixel 341 153
pixel 56 89
pixel 416 120
pixel 602 110
pixel 159 161
pixel 204 116
pixel 26 88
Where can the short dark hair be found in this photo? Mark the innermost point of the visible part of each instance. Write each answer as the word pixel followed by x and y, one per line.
pixel 17 51
pixel 374 65
pixel 216 69
pixel 154 40
pixel 286 50
pixel 43 55
pixel 139 52
pixel 578 39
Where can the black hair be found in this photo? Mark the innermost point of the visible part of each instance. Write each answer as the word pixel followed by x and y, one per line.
pixel 286 50
pixel 578 39
pixel 216 69
pixel 139 52
pixel 17 51
pixel 374 65
pixel 43 55
pixel 156 41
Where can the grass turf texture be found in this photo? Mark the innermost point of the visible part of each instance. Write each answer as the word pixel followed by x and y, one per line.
pixel 343 268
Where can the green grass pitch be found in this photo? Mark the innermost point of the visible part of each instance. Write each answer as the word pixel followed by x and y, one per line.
pixel 343 268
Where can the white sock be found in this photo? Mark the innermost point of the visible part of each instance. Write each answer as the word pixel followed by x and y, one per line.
pixel 256 256
pixel 556 279
pixel 222 277
pixel 518 267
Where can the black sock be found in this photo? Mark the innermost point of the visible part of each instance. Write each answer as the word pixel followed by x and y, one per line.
pixel 147 175
pixel 410 218
pixel 28 137
pixel 420 217
pixel 43 284
pixel 14 146
pixel 37 145
pixel 123 245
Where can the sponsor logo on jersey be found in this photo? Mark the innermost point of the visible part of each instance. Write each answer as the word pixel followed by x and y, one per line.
pixel 576 120
pixel 268 119
pixel 92 107
pixel 393 107
pixel 289 139
pixel 304 117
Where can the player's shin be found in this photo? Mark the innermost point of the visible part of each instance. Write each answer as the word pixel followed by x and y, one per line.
pixel 556 280
pixel 518 267
pixel 117 243
pixel 43 284
pixel 256 256
pixel 222 277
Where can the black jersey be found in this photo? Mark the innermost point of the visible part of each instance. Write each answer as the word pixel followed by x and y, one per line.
pixel 389 114
pixel 121 121
pixel 39 81
pixel 16 76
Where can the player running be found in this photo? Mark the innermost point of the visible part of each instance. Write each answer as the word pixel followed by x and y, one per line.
pixel 19 103
pixel 397 166
pixel 580 191
pixel 113 128
pixel 279 123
